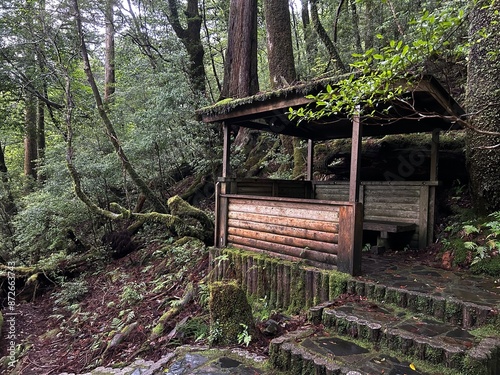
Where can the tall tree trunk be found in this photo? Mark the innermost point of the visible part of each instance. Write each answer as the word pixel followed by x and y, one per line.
pixel 279 43
pixel 40 122
pixel 30 136
pixel 369 34
pixel 240 69
pixel 483 102
pixel 109 63
pixel 40 135
pixel 355 24
pixel 327 41
pixel 309 36
pixel 282 66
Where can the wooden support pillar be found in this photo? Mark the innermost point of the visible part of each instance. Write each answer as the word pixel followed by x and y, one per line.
pixel 434 155
pixel 226 150
pixel 355 160
pixel 350 239
pixel 432 188
pixel 310 159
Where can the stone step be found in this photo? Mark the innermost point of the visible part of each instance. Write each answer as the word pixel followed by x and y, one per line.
pixel 308 352
pixel 313 352
pixel 445 308
pixel 410 334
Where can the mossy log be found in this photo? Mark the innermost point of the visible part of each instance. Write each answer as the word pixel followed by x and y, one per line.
pixel 179 221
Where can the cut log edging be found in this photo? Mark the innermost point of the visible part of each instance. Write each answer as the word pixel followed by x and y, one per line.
pixel 291 286
pixel 296 286
pixel 481 359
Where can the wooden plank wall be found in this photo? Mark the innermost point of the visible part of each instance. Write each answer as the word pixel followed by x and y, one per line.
pixel 384 201
pixel 269 187
pixel 292 229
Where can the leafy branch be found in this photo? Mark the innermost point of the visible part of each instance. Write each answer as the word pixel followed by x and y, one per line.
pixel 378 74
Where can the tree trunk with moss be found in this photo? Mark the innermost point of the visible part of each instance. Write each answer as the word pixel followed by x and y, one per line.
pixel 483 103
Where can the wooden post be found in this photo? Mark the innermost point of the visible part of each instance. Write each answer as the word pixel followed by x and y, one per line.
pixel 350 239
pixel 434 155
pixel 355 160
pixel 432 188
pixel 226 150
pixel 310 159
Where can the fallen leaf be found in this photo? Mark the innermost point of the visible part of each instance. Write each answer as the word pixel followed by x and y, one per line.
pixel 412 366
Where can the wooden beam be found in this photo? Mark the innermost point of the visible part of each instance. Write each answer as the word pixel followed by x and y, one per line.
pixel 226 150
pixel 256 108
pixel 310 159
pixel 355 160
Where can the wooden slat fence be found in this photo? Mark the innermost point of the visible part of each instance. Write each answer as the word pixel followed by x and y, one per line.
pixel 390 201
pixel 320 233
pixel 268 187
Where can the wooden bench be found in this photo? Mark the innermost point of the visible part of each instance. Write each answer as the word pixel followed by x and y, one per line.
pixel 384 228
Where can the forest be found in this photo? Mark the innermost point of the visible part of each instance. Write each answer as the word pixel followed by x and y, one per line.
pixel 102 155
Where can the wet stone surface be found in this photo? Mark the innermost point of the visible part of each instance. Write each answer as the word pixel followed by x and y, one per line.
pixel 407 273
pixel 333 346
pixel 357 359
pixel 389 366
pixel 186 362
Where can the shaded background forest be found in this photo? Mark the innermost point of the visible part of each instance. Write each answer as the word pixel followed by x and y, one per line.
pixel 153 63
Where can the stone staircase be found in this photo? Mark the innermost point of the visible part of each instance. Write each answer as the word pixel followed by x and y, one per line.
pixel 380 329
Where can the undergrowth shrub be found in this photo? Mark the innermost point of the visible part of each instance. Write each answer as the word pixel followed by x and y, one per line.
pixel 42 225
pixel 476 243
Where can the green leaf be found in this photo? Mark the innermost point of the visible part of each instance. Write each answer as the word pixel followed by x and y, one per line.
pixel 406 48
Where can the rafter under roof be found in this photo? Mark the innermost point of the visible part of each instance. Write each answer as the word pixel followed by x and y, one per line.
pixel 424 106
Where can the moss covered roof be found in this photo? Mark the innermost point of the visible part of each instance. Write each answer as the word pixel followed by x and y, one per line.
pixel 303 88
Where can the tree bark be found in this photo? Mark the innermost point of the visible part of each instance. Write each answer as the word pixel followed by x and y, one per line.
pixel 191 39
pixel 320 30
pixel 240 69
pixel 30 136
pixel 483 102
pixel 109 63
pixel 279 43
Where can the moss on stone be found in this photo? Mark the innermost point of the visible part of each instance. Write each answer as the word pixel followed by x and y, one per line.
pixel 229 312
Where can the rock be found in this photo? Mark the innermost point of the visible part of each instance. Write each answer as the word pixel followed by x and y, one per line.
pixel 230 313
pixel 270 327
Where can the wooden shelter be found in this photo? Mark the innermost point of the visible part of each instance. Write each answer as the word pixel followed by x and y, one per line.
pixel 322 222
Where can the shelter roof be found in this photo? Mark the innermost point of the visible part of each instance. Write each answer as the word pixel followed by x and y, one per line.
pixel 424 106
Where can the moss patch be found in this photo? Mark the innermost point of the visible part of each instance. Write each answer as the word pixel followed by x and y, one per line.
pixel 489 266
pixel 229 313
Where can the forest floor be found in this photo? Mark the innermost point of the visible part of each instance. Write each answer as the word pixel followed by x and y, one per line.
pixel 105 315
